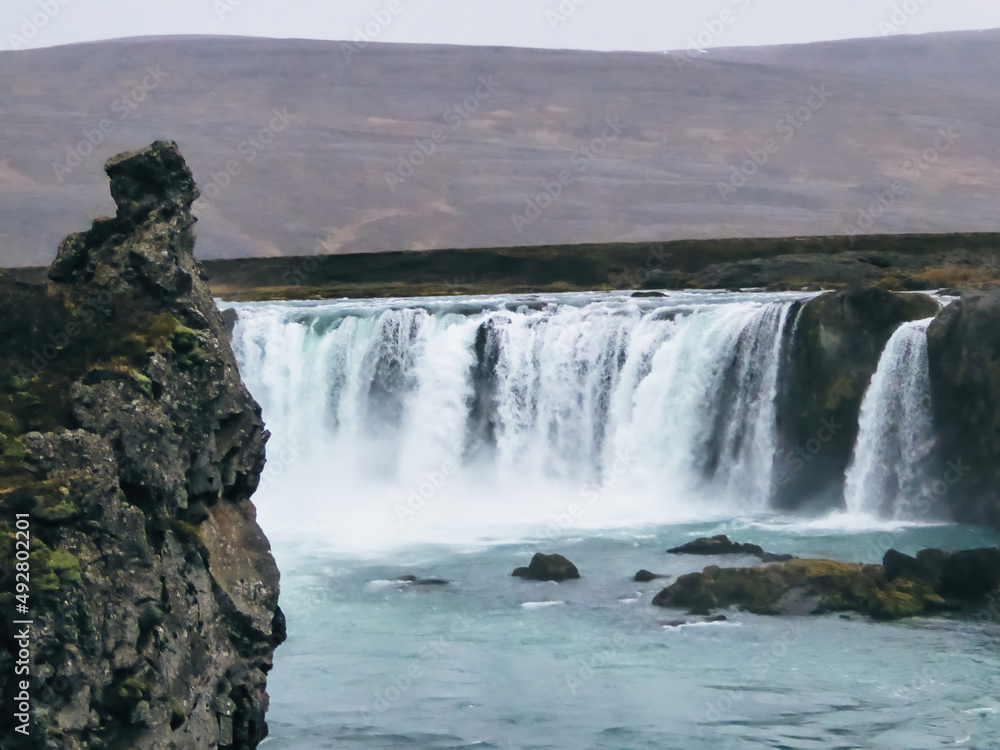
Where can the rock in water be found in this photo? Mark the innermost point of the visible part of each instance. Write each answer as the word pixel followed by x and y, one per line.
pixel 971 573
pixel 644 576
pixel 801 587
pixel 548 568
pixel 134 447
pixel 899 565
pixel 722 545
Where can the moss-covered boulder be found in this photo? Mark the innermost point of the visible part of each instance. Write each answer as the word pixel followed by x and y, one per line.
pixel 963 345
pixel 801 587
pixel 829 356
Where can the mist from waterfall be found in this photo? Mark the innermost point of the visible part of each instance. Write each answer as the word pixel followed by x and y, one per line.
pixel 503 417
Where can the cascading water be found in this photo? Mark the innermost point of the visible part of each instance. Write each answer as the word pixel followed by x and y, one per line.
pixel 597 426
pixel 888 474
pixel 404 423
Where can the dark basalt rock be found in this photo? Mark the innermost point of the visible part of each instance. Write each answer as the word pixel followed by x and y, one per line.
pixel 644 576
pixel 932 582
pixel 971 573
pixel 135 447
pixel 722 545
pixel 963 345
pixel 785 588
pixel 899 565
pixel 548 568
pixel 830 353
pixel 647 295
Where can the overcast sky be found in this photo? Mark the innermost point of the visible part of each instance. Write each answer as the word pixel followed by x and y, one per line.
pixel 649 25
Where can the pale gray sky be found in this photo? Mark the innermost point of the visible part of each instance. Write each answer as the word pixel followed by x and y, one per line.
pixel 648 25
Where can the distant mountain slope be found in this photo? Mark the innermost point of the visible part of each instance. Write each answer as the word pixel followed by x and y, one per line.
pixel 320 184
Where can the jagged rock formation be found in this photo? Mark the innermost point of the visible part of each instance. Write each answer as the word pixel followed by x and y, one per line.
pixel 829 357
pixel 128 436
pixel 963 345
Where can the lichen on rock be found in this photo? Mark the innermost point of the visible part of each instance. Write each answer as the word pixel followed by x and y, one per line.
pixel 128 436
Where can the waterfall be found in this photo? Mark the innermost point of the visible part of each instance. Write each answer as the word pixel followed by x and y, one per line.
pixel 887 476
pixel 575 411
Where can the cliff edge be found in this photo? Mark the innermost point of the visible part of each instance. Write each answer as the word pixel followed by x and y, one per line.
pixel 129 447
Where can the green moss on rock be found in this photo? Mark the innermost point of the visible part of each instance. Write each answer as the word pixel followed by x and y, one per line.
pixel 134 689
pixel 802 587
pixel 52 569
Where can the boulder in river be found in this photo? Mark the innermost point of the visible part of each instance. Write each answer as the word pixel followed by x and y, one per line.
pixel 971 573
pixel 722 545
pixel 967 574
pixel 644 576
pixel 548 568
pixel 801 586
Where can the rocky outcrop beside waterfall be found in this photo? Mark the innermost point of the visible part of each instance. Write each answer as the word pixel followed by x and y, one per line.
pixel 131 446
pixel 964 352
pixel 829 357
pixel 903 586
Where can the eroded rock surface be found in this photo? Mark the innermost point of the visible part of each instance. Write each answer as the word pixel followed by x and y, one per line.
pixel 128 436
pixel 963 345
pixel 832 351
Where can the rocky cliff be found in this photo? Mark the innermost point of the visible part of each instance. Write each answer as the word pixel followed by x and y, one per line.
pixel 129 440
pixel 963 346
pixel 829 357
